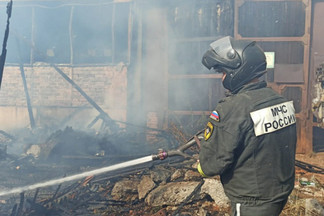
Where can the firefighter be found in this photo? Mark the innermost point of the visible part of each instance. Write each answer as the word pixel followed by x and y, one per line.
pixel 250 138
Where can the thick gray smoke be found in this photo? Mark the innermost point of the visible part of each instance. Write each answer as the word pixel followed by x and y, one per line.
pixel 159 42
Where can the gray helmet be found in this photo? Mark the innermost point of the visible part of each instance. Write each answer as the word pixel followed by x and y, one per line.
pixel 241 60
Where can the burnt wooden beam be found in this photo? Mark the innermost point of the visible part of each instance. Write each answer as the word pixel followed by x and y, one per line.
pixel 188 198
pixel 103 115
pixel 7 135
pixel 14 210
pixel 21 204
pixel 23 77
pixel 93 121
pixel 39 209
pixel 65 191
pixel 54 195
pixel 5 39
pixel 35 196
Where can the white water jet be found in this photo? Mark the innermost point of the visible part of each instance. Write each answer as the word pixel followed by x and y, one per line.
pixel 77 176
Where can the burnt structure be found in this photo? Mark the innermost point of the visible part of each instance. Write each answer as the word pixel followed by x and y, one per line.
pixel 154 48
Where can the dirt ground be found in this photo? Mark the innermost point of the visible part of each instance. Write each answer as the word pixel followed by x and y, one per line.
pixel 316 159
pixel 312 190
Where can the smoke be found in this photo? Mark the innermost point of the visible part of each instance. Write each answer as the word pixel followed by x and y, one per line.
pixel 161 44
pixel 174 37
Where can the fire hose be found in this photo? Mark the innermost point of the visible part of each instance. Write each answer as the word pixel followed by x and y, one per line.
pixel 162 154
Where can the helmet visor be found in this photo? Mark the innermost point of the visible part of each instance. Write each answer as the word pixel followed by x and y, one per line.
pixel 222 54
pixel 222 47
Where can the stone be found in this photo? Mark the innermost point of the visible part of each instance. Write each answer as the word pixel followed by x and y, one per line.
pixel 177 174
pixel 160 174
pixel 125 190
pixel 214 189
pixel 191 175
pixel 171 194
pixel 145 186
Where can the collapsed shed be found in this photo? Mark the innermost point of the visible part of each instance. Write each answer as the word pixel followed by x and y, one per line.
pixel 132 68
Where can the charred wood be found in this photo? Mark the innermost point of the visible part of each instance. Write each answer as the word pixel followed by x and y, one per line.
pixel 14 210
pixel 21 204
pixel 194 192
pixel 38 209
pixel 103 115
pixel 35 196
pixel 7 135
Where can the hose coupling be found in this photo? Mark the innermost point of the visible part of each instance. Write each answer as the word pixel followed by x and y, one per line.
pixel 161 155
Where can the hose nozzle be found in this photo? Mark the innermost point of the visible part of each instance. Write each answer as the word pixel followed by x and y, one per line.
pixel 178 152
pixel 160 156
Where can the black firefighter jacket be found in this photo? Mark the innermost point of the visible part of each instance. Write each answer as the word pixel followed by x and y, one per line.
pixel 250 141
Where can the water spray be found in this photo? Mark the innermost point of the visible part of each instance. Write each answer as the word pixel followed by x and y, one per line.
pixel 77 176
pixel 160 156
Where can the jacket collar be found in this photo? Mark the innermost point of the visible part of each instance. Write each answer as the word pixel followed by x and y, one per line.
pixel 250 86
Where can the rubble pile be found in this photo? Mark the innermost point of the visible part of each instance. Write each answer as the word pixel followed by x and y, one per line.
pixel 168 187
pixel 160 189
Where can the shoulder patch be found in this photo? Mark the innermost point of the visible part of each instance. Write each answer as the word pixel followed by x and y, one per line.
pixel 214 115
pixel 208 131
pixel 273 118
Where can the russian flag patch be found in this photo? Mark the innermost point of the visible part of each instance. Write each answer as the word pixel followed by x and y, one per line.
pixel 214 115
